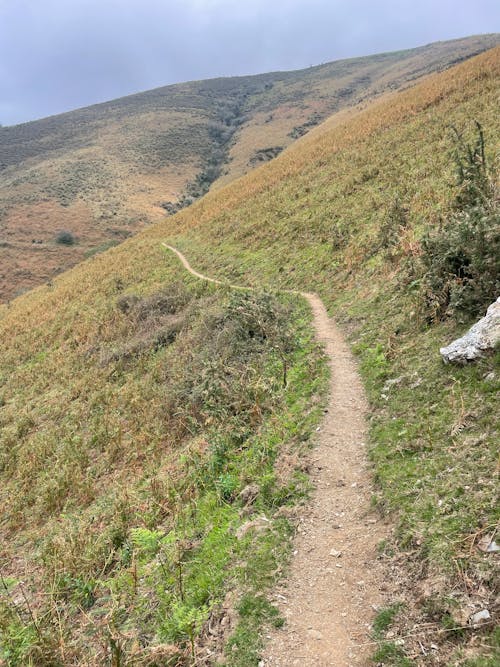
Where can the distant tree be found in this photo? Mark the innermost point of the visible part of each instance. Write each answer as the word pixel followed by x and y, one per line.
pixel 65 238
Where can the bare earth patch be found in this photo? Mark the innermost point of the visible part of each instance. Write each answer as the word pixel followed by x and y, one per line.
pixel 336 581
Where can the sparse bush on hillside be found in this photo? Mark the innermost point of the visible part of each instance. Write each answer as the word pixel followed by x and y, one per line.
pixel 340 234
pixel 265 154
pixel 473 178
pixel 219 133
pixel 462 263
pixel 218 385
pixel 299 130
pixel 65 238
pixel 461 259
pixel 154 322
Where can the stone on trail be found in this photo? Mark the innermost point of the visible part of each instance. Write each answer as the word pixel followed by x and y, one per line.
pixel 481 337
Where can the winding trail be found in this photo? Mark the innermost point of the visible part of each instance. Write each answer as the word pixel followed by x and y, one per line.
pixel 336 581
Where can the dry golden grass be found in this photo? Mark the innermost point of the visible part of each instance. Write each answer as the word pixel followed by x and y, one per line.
pixel 333 151
pixel 319 158
pixel 123 159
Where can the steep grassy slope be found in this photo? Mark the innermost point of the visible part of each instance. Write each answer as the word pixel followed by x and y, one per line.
pixel 321 217
pixel 97 442
pixel 105 171
pixel 151 430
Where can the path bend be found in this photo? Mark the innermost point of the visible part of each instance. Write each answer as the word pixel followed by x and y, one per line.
pixel 336 581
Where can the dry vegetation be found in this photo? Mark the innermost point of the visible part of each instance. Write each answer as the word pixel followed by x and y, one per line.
pixel 132 421
pixel 134 409
pixel 106 171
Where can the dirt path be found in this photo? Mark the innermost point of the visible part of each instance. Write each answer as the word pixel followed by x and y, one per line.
pixel 335 581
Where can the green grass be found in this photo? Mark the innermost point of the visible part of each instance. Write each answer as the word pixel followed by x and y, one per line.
pixel 255 612
pixel 388 652
pixel 384 619
pixel 153 553
pixel 434 428
pixel 434 414
pixel 129 430
pixel 391 655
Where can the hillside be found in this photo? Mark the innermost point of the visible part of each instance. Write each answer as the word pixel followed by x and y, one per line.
pixel 138 404
pixel 104 172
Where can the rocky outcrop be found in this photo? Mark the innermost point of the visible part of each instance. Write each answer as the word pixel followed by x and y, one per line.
pixel 481 338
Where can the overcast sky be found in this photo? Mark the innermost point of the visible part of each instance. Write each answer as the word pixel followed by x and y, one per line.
pixel 57 55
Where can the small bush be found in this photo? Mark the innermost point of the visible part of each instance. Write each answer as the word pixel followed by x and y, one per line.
pixel 475 187
pixel 461 258
pixel 265 154
pixel 299 130
pixel 221 383
pixel 462 264
pixel 154 322
pixel 65 238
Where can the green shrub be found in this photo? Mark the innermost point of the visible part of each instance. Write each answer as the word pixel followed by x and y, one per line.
pixel 461 258
pixel 462 264
pixel 65 238
pixel 473 178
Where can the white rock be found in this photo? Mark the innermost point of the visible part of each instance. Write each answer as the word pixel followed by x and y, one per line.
pixel 481 337
pixel 480 616
pixel 487 544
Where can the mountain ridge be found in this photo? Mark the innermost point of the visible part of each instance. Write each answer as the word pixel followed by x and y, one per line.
pixel 494 37
pixel 106 171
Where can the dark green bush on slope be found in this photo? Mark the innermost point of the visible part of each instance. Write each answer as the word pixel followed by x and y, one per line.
pixel 65 238
pixel 461 259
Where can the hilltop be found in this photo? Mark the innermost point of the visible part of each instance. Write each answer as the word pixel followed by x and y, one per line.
pixel 155 428
pixel 104 172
